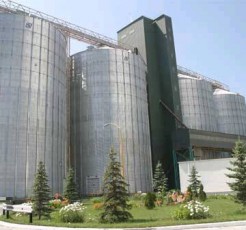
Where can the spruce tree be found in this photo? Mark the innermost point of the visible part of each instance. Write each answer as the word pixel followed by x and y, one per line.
pixel 41 192
pixel 115 193
pixel 195 183
pixel 202 195
pixel 71 192
pixel 159 179
pixel 238 169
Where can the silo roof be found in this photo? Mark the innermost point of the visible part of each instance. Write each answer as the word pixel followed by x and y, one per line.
pixel 188 77
pixel 221 91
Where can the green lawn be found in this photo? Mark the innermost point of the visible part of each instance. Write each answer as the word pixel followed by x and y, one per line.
pixel 221 209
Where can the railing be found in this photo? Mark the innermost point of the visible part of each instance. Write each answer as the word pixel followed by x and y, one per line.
pixel 191 73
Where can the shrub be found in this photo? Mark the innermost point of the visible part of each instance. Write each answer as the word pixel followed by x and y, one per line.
pixel 202 195
pixel 221 196
pixel 58 196
pixel 192 210
pixel 182 213
pixel 56 203
pixel 72 213
pixel 188 194
pixel 150 199
pixel 136 203
pixel 139 196
pixel 176 197
pixel 159 199
pixel 98 205
pixel 97 200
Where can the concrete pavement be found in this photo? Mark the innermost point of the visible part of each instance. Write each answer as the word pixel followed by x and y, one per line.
pixel 232 225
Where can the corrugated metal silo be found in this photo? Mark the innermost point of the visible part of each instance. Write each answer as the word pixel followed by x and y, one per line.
pixel 197 103
pixel 32 103
pixel 231 111
pixel 109 107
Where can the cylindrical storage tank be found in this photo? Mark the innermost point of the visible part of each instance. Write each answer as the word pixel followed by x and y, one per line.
pixel 109 108
pixel 32 103
pixel 197 105
pixel 231 111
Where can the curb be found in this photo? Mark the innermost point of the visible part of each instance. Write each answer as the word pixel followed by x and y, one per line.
pixel 240 224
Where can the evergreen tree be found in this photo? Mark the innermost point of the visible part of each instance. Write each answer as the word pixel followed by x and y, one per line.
pixel 195 183
pixel 238 169
pixel 71 192
pixel 41 192
pixel 115 193
pixel 202 195
pixel 159 179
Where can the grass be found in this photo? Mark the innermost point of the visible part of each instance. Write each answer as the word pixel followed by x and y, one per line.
pixel 221 209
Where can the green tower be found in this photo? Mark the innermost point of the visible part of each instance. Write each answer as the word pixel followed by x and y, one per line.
pixel 154 41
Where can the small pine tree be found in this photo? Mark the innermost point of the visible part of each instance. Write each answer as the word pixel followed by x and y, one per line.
pixel 115 193
pixel 71 191
pixel 41 192
pixel 194 183
pixel 202 195
pixel 238 174
pixel 189 194
pixel 159 180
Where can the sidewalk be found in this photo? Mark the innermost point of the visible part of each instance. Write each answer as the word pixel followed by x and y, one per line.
pixel 232 225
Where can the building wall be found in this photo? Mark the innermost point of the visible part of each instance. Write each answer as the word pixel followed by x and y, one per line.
pixel 109 87
pixel 212 174
pixel 155 43
pixel 32 103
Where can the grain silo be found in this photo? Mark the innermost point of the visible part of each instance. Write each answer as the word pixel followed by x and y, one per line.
pixel 197 103
pixel 231 111
pixel 109 108
pixel 32 103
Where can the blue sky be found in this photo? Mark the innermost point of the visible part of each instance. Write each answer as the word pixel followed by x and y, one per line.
pixel 210 35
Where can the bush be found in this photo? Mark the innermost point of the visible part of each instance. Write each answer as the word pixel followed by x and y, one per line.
pixel 136 203
pixel 150 199
pixel 182 213
pixel 97 200
pixel 202 195
pixel 176 197
pixel 72 213
pixel 192 210
pixel 56 203
pixel 98 205
pixel 139 196
pixel 58 196
pixel 221 196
